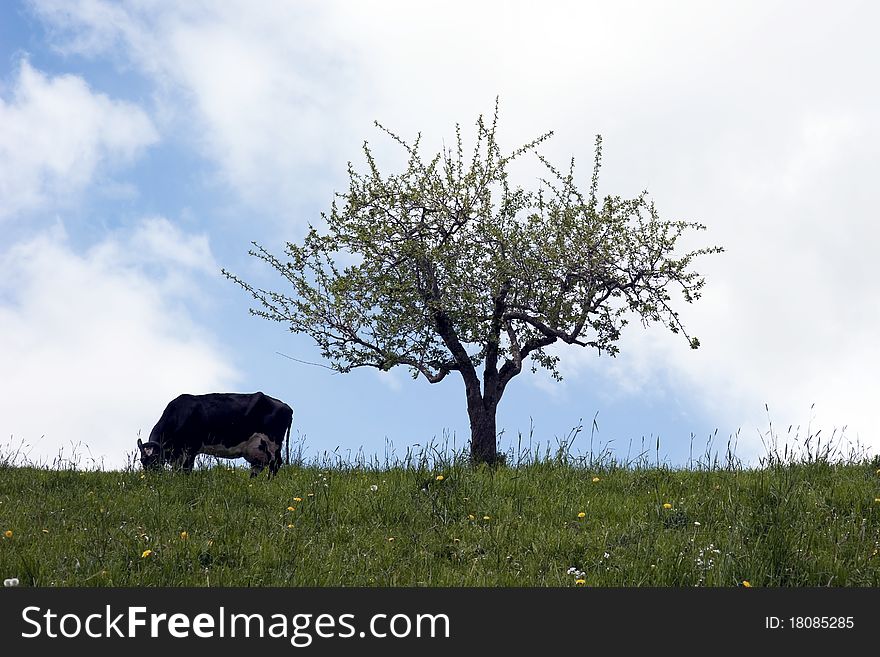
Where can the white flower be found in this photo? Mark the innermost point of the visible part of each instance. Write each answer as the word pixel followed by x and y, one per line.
pixel 696 523
pixel 12 581
pixel 374 488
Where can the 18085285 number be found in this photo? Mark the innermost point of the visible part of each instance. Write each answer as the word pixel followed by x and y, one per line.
pixel 821 622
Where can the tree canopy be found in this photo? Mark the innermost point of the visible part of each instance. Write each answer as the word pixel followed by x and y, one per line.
pixel 448 267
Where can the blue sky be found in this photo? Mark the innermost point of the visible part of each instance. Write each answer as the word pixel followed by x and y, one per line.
pixel 143 145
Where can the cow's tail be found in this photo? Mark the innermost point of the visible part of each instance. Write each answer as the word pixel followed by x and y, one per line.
pixel 287 443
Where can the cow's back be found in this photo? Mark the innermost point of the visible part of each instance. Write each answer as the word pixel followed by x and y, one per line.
pixel 222 418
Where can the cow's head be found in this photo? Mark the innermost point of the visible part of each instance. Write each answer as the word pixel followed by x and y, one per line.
pixel 151 455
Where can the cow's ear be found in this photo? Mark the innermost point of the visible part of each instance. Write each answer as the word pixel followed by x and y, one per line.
pixel 140 445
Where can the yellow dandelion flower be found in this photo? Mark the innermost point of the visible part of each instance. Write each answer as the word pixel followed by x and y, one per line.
pixel 291 508
pixel 580 582
pixel 290 526
pixel 439 477
pixel 8 533
pixel 471 516
pixel 455 540
pixel 390 539
pixel 877 500
pixel 146 553
pixel 45 531
pixel 486 518
pixel 747 584
pixel 667 505
pixel 310 495
pixel 595 480
pixel 582 515
pixel 298 499
pixel 184 536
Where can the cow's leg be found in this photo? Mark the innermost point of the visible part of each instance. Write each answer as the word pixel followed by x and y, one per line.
pixel 275 459
pixel 189 462
pixel 183 460
pixel 175 459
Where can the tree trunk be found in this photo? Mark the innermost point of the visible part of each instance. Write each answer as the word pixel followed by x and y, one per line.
pixel 483 435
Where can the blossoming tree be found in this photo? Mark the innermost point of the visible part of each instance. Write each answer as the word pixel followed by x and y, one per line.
pixel 456 270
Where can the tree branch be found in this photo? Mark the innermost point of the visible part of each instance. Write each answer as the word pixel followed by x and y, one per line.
pixel 490 371
pixel 547 331
pixel 514 366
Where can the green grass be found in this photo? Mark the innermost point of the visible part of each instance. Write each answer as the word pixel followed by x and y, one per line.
pixel 813 523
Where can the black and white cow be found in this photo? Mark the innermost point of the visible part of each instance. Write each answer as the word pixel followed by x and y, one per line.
pixel 225 424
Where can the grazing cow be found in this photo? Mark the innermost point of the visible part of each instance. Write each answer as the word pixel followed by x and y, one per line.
pixel 229 425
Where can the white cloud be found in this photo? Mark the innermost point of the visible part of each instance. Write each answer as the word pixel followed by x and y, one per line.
pixel 55 136
pixel 393 379
pixel 95 346
pixel 169 257
pixel 157 239
pixel 260 88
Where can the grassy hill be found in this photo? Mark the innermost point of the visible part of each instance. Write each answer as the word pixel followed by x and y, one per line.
pixel 548 523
